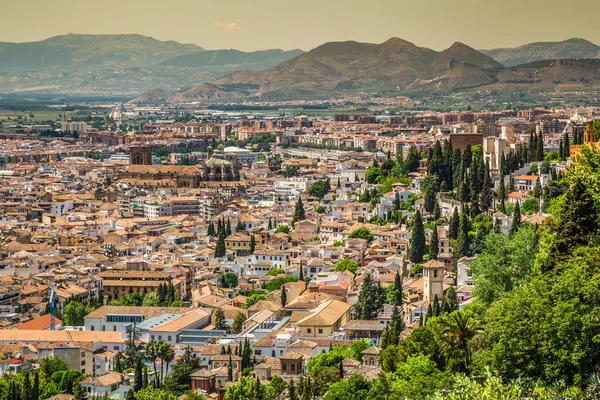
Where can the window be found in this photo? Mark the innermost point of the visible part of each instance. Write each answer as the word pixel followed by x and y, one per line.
pixel 168 338
pixel 92 327
pixel 159 337
pixel 284 367
pixel 114 328
pixel 83 363
pixel 320 330
pixel 309 330
pixel 293 368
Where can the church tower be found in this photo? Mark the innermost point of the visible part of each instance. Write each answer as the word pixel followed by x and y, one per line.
pixel 140 155
pixel 589 135
pixel 433 280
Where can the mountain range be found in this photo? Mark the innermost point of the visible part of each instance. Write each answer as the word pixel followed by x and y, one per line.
pixel 394 66
pixel 120 64
pixel 170 71
pixel 575 48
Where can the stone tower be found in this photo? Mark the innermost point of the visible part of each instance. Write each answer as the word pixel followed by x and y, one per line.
pixel 140 155
pixel 433 280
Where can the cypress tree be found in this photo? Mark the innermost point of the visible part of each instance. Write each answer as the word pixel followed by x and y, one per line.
pixel 228 228
pixel 516 220
pixel 298 214
pixel 433 245
pixel 397 202
pixel 230 370
pixel 399 295
pixel 252 244
pixel 139 377
pixel 462 245
pixel 452 299
pixel 417 241
pixel 270 225
pixel 511 184
pixel 454 223
pixel 561 150
pixel 485 198
pixel 577 221
pixel 437 311
pixel 283 296
pixel 35 393
pixel 437 213
pixel 430 311
pixel 540 147
pixel 501 195
pixel 292 390
pixel 26 389
pixel 220 249
pixel 537 189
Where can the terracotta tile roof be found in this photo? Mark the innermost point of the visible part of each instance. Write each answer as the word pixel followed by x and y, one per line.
pixel 38 324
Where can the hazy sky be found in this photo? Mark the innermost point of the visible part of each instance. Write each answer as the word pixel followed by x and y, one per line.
pixel 286 24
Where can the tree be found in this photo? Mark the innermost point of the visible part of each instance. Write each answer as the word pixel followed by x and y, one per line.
pixel 211 229
pixel 458 330
pixel 516 220
pixel 454 224
pixel 283 297
pixel 417 240
pixel 238 322
pixel 463 240
pixel 412 159
pixel 252 245
pixel 151 352
pixel 74 313
pixel 362 233
pixel 179 380
pixel 319 189
pixel 368 305
pixel 283 229
pixel 298 214
pixel 228 228
pixel 50 365
pixel 566 147
pixel 537 190
pixel 229 280
pixel 220 249
pixel 220 320
pixel 80 394
pixel 577 220
pixel 504 264
pixel 431 189
pixel 138 382
pixel 151 393
pixel 433 244
pixel 151 300
pixel 391 336
pixel 451 299
pixel 344 264
pixel 530 206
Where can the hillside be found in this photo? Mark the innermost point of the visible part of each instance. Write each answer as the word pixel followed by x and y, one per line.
pixel 255 60
pixel 125 65
pixel 340 67
pixel 569 49
pixel 92 51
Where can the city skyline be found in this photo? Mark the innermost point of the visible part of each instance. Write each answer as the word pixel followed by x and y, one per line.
pixel 270 24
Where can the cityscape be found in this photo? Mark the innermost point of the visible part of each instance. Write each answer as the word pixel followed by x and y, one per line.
pixel 371 219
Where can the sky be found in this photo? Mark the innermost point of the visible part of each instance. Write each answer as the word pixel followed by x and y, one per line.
pixel 261 24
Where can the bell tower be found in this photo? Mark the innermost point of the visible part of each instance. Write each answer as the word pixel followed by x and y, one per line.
pixel 589 135
pixel 140 155
pixel 433 280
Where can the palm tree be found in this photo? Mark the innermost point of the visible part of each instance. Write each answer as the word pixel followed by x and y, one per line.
pixel 166 354
pixel 458 329
pixel 151 352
